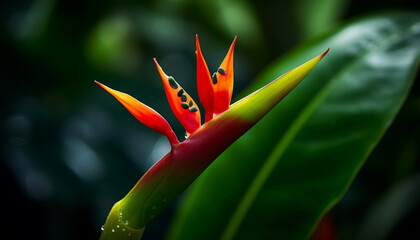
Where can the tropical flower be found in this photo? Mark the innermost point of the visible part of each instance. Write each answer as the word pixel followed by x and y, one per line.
pixel 223 124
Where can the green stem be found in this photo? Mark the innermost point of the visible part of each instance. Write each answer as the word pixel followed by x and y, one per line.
pixel 116 229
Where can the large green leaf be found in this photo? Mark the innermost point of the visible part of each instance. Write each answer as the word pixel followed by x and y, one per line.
pixel 279 178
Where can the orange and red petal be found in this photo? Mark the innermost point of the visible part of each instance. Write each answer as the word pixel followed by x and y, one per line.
pixel 183 106
pixel 204 83
pixel 223 82
pixel 143 113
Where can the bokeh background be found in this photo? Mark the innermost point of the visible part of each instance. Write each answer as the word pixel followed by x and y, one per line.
pixel 69 151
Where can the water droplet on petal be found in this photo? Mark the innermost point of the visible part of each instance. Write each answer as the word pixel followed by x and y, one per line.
pixel 184 105
pixel 214 78
pixel 113 230
pixel 183 97
pixel 221 71
pixel 193 109
pixel 172 82
pixel 123 229
pixel 102 228
pixel 118 226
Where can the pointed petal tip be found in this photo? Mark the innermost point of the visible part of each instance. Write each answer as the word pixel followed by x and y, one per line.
pixel 158 66
pixel 101 85
pixel 233 43
pixel 197 44
pixel 162 74
pixel 325 53
pixel 108 89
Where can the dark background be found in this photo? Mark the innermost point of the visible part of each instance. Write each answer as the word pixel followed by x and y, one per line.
pixel 69 150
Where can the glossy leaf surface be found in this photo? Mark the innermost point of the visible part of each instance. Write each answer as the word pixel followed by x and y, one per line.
pixel 296 163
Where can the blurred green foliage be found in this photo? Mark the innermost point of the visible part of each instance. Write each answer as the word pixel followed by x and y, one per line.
pixel 69 151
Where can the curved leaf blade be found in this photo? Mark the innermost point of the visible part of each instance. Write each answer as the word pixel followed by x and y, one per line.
pixel 306 152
